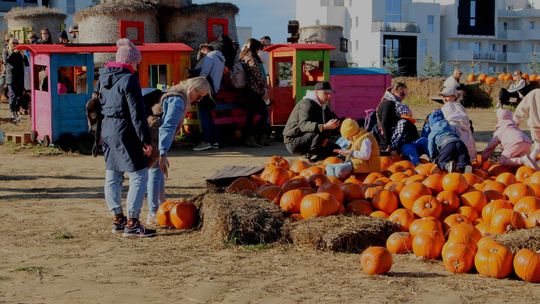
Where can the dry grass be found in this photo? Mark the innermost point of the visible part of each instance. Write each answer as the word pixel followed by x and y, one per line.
pixel 215 8
pixel 115 8
pixel 339 233
pixel 33 12
pixel 239 220
pixel 524 238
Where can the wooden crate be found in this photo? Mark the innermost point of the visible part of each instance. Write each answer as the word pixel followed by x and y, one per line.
pixel 224 177
pixel 20 138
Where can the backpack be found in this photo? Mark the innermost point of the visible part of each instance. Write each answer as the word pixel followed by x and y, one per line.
pixel 238 76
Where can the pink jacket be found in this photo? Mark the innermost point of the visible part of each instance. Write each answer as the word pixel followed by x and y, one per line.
pixel 508 134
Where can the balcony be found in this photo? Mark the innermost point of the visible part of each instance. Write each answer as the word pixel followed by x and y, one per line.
pixel 395 27
pixel 533 34
pixel 515 57
pixel 523 13
pixel 486 56
pixel 459 55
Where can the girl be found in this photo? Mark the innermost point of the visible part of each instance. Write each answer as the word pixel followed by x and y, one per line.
pixel 14 66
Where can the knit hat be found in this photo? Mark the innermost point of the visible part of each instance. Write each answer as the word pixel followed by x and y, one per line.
pixel 349 128
pixel 127 52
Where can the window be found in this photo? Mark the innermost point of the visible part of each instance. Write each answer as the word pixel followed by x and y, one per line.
pixel 158 75
pixel 430 23
pixel 531 25
pixel 393 11
pixel 504 48
pixel 344 45
pixel 423 49
pixel 325 2
pixel 72 80
pixel 493 47
pixel 477 46
pixel 339 2
pixel 533 47
pixel 391 48
pixel 357 21
pixel 505 26
pixel 472 20
pixel 41 81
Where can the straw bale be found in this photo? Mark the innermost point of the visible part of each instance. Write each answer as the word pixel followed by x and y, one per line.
pixel 116 8
pixel 34 12
pixel 339 233
pixel 36 18
pixel 524 238
pixel 236 219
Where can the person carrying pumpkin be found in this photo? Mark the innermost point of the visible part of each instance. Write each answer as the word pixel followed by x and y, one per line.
pixel 405 135
pixel 444 146
pixel 363 155
pixel 516 145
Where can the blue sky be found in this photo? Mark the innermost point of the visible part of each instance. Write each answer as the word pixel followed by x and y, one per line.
pixel 265 17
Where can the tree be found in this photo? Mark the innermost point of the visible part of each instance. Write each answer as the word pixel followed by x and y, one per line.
pixel 391 65
pixel 534 65
pixel 432 69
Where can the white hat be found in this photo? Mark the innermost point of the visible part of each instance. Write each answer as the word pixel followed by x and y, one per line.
pixel 449 91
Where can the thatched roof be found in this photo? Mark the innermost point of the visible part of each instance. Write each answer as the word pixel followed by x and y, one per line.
pixel 156 3
pixel 118 7
pixel 34 12
pixel 322 27
pixel 215 8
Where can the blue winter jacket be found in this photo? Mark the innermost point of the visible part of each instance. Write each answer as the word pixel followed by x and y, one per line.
pixel 124 127
pixel 213 66
pixel 440 135
pixel 174 108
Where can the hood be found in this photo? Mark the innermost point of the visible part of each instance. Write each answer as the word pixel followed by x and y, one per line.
pixel 505 118
pixel 390 96
pixel 216 55
pixel 349 128
pixel 435 117
pixel 311 95
pixel 110 75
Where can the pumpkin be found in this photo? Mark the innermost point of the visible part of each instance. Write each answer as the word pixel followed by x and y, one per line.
pixel 275 175
pixel 533 220
pixel 475 199
pixel 535 178
pixel 493 260
pixel 403 218
pixel 498 169
pixel 527 265
pixel 469 212
pixel 318 204
pixel 370 192
pixel 455 182
pixel 294 217
pixel 297 182
pixel 379 214
pixel 372 177
pixel 482 77
pixel 335 180
pixel 311 171
pixel 490 80
pixel 493 185
pixel 385 200
pixel 506 178
pixel 386 162
pixel 162 215
pixel 525 76
pixel 352 192
pixel 526 206
pixel 492 195
pixel 471 77
pixel 359 207
pixel 333 189
pixel 279 162
pixel 258 180
pixel 428 245
pixel 427 169
pixel 270 192
pixel 240 184
pixel 298 165
pixel 472 178
pixel 524 172
pixel 416 178
pixel 332 160
pixel 516 191
pixel 493 206
pixel 506 220
pixel 481 173
pixel 455 219
pixel 395 187
pixel 376 260
pixel 449 201
pixel 398 177
pixel 533 77
pixel 534 187
pixel 411 192
pixel 353 180
pixel 183 215
pixel 381 181
pixel 426 224
pixel 290 201
pixel 317 180
pixel 399 242
pixel 508 77
pixel 464 233
pixel 434 183
pixel 427 206
pixel 458 258
pixel 483 227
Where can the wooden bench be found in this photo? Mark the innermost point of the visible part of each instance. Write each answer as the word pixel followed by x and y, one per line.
pixel 21 138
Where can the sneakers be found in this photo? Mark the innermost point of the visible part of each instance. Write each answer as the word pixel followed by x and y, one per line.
pixel 215 146
pixel 468 169
pixel 119 223
pixel 151 220
pixel 450 166
pixel 203 146
pixel 138 230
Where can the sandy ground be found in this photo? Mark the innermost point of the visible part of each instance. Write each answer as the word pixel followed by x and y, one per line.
pixel 42 197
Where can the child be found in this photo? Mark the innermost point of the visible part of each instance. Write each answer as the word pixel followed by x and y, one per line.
pixel 456 116
pixel 529 109
pixel 405 135
pixel 363 155
pixel 515 144
pixel 445 146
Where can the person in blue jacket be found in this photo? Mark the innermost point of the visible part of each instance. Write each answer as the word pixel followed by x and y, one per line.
pixel 126 138
pixel 174 104
pixel 445 147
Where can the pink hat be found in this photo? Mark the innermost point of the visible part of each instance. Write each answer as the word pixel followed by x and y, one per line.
pixel 127 52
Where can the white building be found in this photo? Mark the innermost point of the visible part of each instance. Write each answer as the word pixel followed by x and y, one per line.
pixel 244 33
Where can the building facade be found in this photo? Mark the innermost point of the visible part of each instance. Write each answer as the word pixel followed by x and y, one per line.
pixel 477 35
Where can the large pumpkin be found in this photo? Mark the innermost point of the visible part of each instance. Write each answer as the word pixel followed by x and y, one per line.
pixel 376 260
pixel 449 200
pixel 411 192
pixel 434 183
pixel 399 243
pixel 493 260
pixel 527 265
pixel 458 257
pixel 333 189
pixel 352 192
pixel 318 204
pixel 183 215
pixel 385 200
pixel 506 220
pixel 403 218
pixel 455 182
pixel 475 199
pixel 464 233
pixel 359 207
pixel 295 183
pixel 275 175
pixel 427 206
pixel 240 184
pixel 290 201
pixel 527 206
pixel 426 224
pixel 270 192
pixel 428 245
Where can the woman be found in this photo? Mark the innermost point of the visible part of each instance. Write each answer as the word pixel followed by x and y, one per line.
pixel 255 92
pixel 174 104
pixel 14 77
pixel 45 35
pixel 387 117
pixel 126 138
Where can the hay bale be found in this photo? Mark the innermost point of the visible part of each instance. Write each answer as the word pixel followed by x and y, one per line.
pixel 36 18
pixel 236 219
pixel 524 238
pixel 339 233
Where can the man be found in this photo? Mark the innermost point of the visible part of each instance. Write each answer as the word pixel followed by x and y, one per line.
pixel 309 126
pixel 514 91
pixel 452 82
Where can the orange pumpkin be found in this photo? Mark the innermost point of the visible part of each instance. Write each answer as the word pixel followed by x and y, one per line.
pixel 455 219
pixel 270 192
pixel 298 165
pixel 482 77
pixel 386 162
pixel 370 192
pixel 506 220
pixel 533 220
pixel 493 185
pixel 427 169
pixel 382 181
pixel 311 171
pixel 379 214
pixel 395 187
pixel 294 217
pixel 427 206
pixel 240 184
pixel 516 191
pixel 492 195
pixel 295 183
pixel 353 180
pixel 506 178
pixel 526 206
pixel 403 218
pixel 458 258
pixel 290 201
pixel 527 265
pixel 498 169
pixel 399 243
pixel 416 178
pixel 352 192
pixel 359 207
pixel 332 160
pixel 333 189
pixel 464 233
pixel 493 206
pixel 449 200
pixel 275 175
pixel 183 215
pixel 411 192
pixel 385 200
pixel 279 162
pixel 398 177
pixel 372 177
pixel 471 78
pixel 258 180
pixel 525 76
pixel 507 77
pixel 317 180
pixel 469 212
pixel 428 245
pixel 483 227
pixel 475 199
pixel 534 187
pixel 486 241
pixel 533 77
pixel 162 215
pixel 426 224
pixel 493 260
pixel 490 80
pixel 434 183
pixel 524 172
pixel 376 260
pixel 472 178
pixel 318 204
pixel 455 182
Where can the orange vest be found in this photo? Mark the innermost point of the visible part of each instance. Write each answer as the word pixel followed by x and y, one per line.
pixel 373 164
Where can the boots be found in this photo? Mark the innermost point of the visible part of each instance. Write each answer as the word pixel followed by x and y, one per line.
pixel 250 142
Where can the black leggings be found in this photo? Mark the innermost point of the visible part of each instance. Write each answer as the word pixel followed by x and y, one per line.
pixel 255 105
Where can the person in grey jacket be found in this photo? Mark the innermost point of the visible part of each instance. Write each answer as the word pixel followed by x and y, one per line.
pixel 309 126
pixel 126 138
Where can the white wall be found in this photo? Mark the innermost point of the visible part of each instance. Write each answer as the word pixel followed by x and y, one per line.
pixel 62 6
pixel 244 33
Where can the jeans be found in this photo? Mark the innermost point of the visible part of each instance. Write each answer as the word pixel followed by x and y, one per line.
pixel 156 189
pixel 410 152
pixel 255 105
pixel 135 196
pixel 340 171
pixel 14 96
pixel 208 127
pixel 312 143
pixel 455 151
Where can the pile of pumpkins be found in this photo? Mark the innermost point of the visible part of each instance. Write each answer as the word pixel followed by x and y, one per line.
pixel 441 215
pixel 181 214
pixel 490 80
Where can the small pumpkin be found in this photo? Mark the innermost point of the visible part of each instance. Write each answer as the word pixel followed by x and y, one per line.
pixel 332 160
pixel 359 207
pixel 516 191
pixel 240 184
pixel 333 189
pixel 275 175
pixel 372 177
pixel 317 180
pixel 464 233
pixel 183 215
pixel 162 215
pixel 490 208
pixel 278 161
pixel 385 200
pixel 353 180
pixel 484 228
pixel 506 220
pixel 506 178
pixel 533 220
pixel 475 199
pixel 298 165
pixel 523 173
pixel 379 214
pixel 411 192
pixel 352 192
pixel 297 182
pixel 428 245
pixel 472 178
pixel 527 265
pixel 290 201
pixel 370 192
pixel 469 212
pixel 376 260
pixel 449 200
pixel 455 182
pixel 395 187
pixel 458 257
pixel 434 183
pixel 427 206
pixel 455 219
pixel 398 176
pixel 427 169
pixel 526 206
pixel 335 180
pixel 399 243
pixel 318 204
pixel 270 192
pixel 311 171
pixel 426 224
pixel 403 218
pixel 493 260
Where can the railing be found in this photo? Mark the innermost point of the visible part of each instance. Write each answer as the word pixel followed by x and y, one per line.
pixel 484 56
pixel 408 27
pixel 502 57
